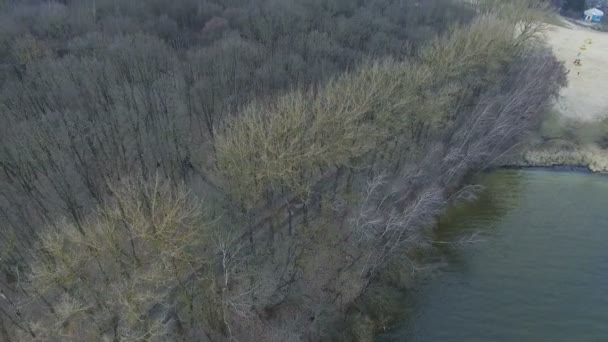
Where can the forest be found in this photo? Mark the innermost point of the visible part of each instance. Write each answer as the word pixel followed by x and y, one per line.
pixel 238 170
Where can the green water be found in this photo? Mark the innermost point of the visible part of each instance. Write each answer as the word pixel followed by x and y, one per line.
pixel 539 273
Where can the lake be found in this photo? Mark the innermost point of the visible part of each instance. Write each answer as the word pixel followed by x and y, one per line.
pixel 537 269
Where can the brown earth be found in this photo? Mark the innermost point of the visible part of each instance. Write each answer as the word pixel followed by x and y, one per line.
pixel 586 96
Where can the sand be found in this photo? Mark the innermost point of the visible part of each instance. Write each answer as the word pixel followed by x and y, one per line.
pixel 586 96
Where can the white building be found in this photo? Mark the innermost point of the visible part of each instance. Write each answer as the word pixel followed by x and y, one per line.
pixel 594 15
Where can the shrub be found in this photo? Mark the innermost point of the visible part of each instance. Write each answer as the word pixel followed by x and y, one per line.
pixel 118 274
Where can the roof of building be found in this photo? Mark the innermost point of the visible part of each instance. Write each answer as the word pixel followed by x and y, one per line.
pixel 594 12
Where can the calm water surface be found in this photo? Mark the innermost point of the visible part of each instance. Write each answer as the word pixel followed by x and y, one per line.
pixel 540 272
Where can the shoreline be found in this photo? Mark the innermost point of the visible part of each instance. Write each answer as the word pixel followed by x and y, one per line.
pixel 565 156
pixel 552 168
pixel 520 160
pixel 552 156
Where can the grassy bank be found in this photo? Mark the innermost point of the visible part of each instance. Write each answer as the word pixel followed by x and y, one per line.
pixel 565 142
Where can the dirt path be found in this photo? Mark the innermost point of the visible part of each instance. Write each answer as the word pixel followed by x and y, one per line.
pixel 586 96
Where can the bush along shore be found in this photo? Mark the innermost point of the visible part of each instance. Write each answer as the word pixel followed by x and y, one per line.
pixel 309 203
pixel 564 142
pixel 560 154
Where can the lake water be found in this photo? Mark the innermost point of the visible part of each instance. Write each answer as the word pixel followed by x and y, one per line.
pixel 539 271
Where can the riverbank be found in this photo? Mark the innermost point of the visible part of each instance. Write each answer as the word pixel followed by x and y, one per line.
pixel 558 153
pixel 395 297
pixel 573 136
pixel 575 132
